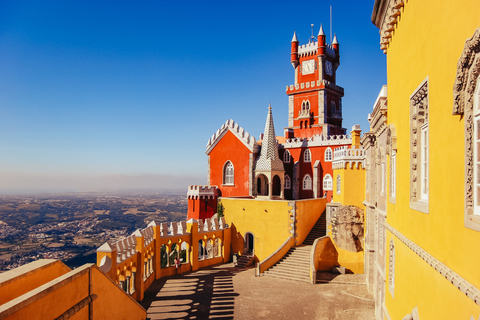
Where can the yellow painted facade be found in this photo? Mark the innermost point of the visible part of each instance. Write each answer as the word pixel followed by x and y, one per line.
pixel 352 185
pixel 272 223
pixel 425 46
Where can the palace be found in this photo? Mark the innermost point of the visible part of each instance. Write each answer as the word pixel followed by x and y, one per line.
pixel 399 204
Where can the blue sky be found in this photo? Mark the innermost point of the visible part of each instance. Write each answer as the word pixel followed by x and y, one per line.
pixel 100 95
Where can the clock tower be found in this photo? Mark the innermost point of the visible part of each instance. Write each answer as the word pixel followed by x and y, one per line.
pixel 314 100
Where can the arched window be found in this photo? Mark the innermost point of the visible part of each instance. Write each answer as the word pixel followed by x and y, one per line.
pixel 339 186
pixel 328 154
pixel 287 182
pixel 228 173
pixel 327 182
pixel 307 182
pixel 307 156
pixel 286 157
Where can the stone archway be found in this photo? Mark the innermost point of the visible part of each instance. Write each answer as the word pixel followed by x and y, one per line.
pixel 262 185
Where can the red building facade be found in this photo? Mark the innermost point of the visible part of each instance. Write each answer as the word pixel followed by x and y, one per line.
pixel 298 165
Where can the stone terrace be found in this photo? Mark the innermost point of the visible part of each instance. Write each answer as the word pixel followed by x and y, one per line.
pixel 225 292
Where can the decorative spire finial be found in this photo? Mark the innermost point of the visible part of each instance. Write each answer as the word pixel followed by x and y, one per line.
pixel 321 33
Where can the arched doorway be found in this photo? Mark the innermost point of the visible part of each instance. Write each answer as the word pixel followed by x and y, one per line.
pixel 249 242
pixel 276 186
pixel 262 185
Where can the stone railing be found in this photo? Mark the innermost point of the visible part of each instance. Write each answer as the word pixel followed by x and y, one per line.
pixel 135 261
pixel 202 192
pixel 344 155
pixel 312 84
pixel 317 140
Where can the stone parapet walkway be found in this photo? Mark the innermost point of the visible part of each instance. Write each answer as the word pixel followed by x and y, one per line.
pixel 225 292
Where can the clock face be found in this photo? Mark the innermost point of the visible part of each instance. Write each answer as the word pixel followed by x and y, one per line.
pixel 328 68
pixel 308 66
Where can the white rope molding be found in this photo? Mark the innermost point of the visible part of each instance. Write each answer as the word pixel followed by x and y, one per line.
pixel 461 284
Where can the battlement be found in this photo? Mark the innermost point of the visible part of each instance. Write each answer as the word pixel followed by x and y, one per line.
pixel 202 192
pixel 320 84
pixel 342 156
pixel 307 49
pixel 135 261
pixel 238 131
pixel 317 140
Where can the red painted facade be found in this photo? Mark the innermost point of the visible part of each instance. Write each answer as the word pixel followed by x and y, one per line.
pixel 315 123
pixel 230 148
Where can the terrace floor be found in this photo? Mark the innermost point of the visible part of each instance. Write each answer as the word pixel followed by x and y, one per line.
pixel 225 292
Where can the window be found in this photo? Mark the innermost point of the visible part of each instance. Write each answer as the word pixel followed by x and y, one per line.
pixel 391 268
pixel 228 173
pixel 286 157
pixel 339 186
pixel 393 173
pixel 419 152
pixel 328 154
pixel 287 182
pixel 476 151
pixel 307 182
pixel 307 156
pixel 468 109
pixel 327 182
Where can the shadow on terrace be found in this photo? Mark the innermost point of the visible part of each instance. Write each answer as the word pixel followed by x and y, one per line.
pixel 204 294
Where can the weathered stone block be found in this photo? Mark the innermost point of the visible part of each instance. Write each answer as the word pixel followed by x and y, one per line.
pixel 347 228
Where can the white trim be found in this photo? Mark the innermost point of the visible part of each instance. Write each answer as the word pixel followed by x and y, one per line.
pixel 307 182
pixel 327 182
pixel 328 154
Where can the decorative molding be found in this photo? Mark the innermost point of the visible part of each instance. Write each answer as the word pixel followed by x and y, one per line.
pixel 317 141
pixel 468 71
pixel 418 117
pixel 455 279
pixel 391 14
pixel 239 132
pixel 343 156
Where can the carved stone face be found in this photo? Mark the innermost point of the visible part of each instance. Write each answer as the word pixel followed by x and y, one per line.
pixel 347 228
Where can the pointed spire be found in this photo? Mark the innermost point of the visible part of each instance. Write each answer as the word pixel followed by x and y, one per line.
pixel 269 159
pixel 321 33
pixel 335 39
pixel 294 39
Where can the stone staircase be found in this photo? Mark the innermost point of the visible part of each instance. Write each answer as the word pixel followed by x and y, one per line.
pixel 295 265
pixel 245 260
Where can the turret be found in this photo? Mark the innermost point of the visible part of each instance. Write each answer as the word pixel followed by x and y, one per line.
pixel 321 41
pixel 336 46
pixel 294 51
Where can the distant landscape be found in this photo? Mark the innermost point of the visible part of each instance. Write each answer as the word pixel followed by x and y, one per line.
pixel 71 226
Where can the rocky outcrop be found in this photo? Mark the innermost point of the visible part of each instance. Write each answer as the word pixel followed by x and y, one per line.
pixel 347 228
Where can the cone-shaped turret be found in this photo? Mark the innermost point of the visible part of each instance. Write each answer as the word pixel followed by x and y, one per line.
pixel 294 51
pixel 320 32
pixel 269 159
pixel 321 42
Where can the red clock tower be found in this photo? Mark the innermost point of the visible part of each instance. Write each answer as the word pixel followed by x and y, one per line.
pixel 314 101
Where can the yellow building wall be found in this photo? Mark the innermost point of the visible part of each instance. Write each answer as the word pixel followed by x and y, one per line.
pixel 352 186
pixel 307 214
pixel 30 277
pixel 428 41
pixel 268 221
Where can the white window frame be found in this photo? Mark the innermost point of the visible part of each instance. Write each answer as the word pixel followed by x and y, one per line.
pixel 327 182
pixel 424 150
pixel 393 176
pixel 287 182
pixel 339 184
pixel 307 182
pixel 307 156
pixel 286 156
pixel 228 174
pixel 328 154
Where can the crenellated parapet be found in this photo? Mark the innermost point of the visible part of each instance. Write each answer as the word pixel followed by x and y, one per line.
pixel 202 192
pixel 135 261
pixel 319 84
pixel 317 140
pixel 343 156
pixel 239 132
